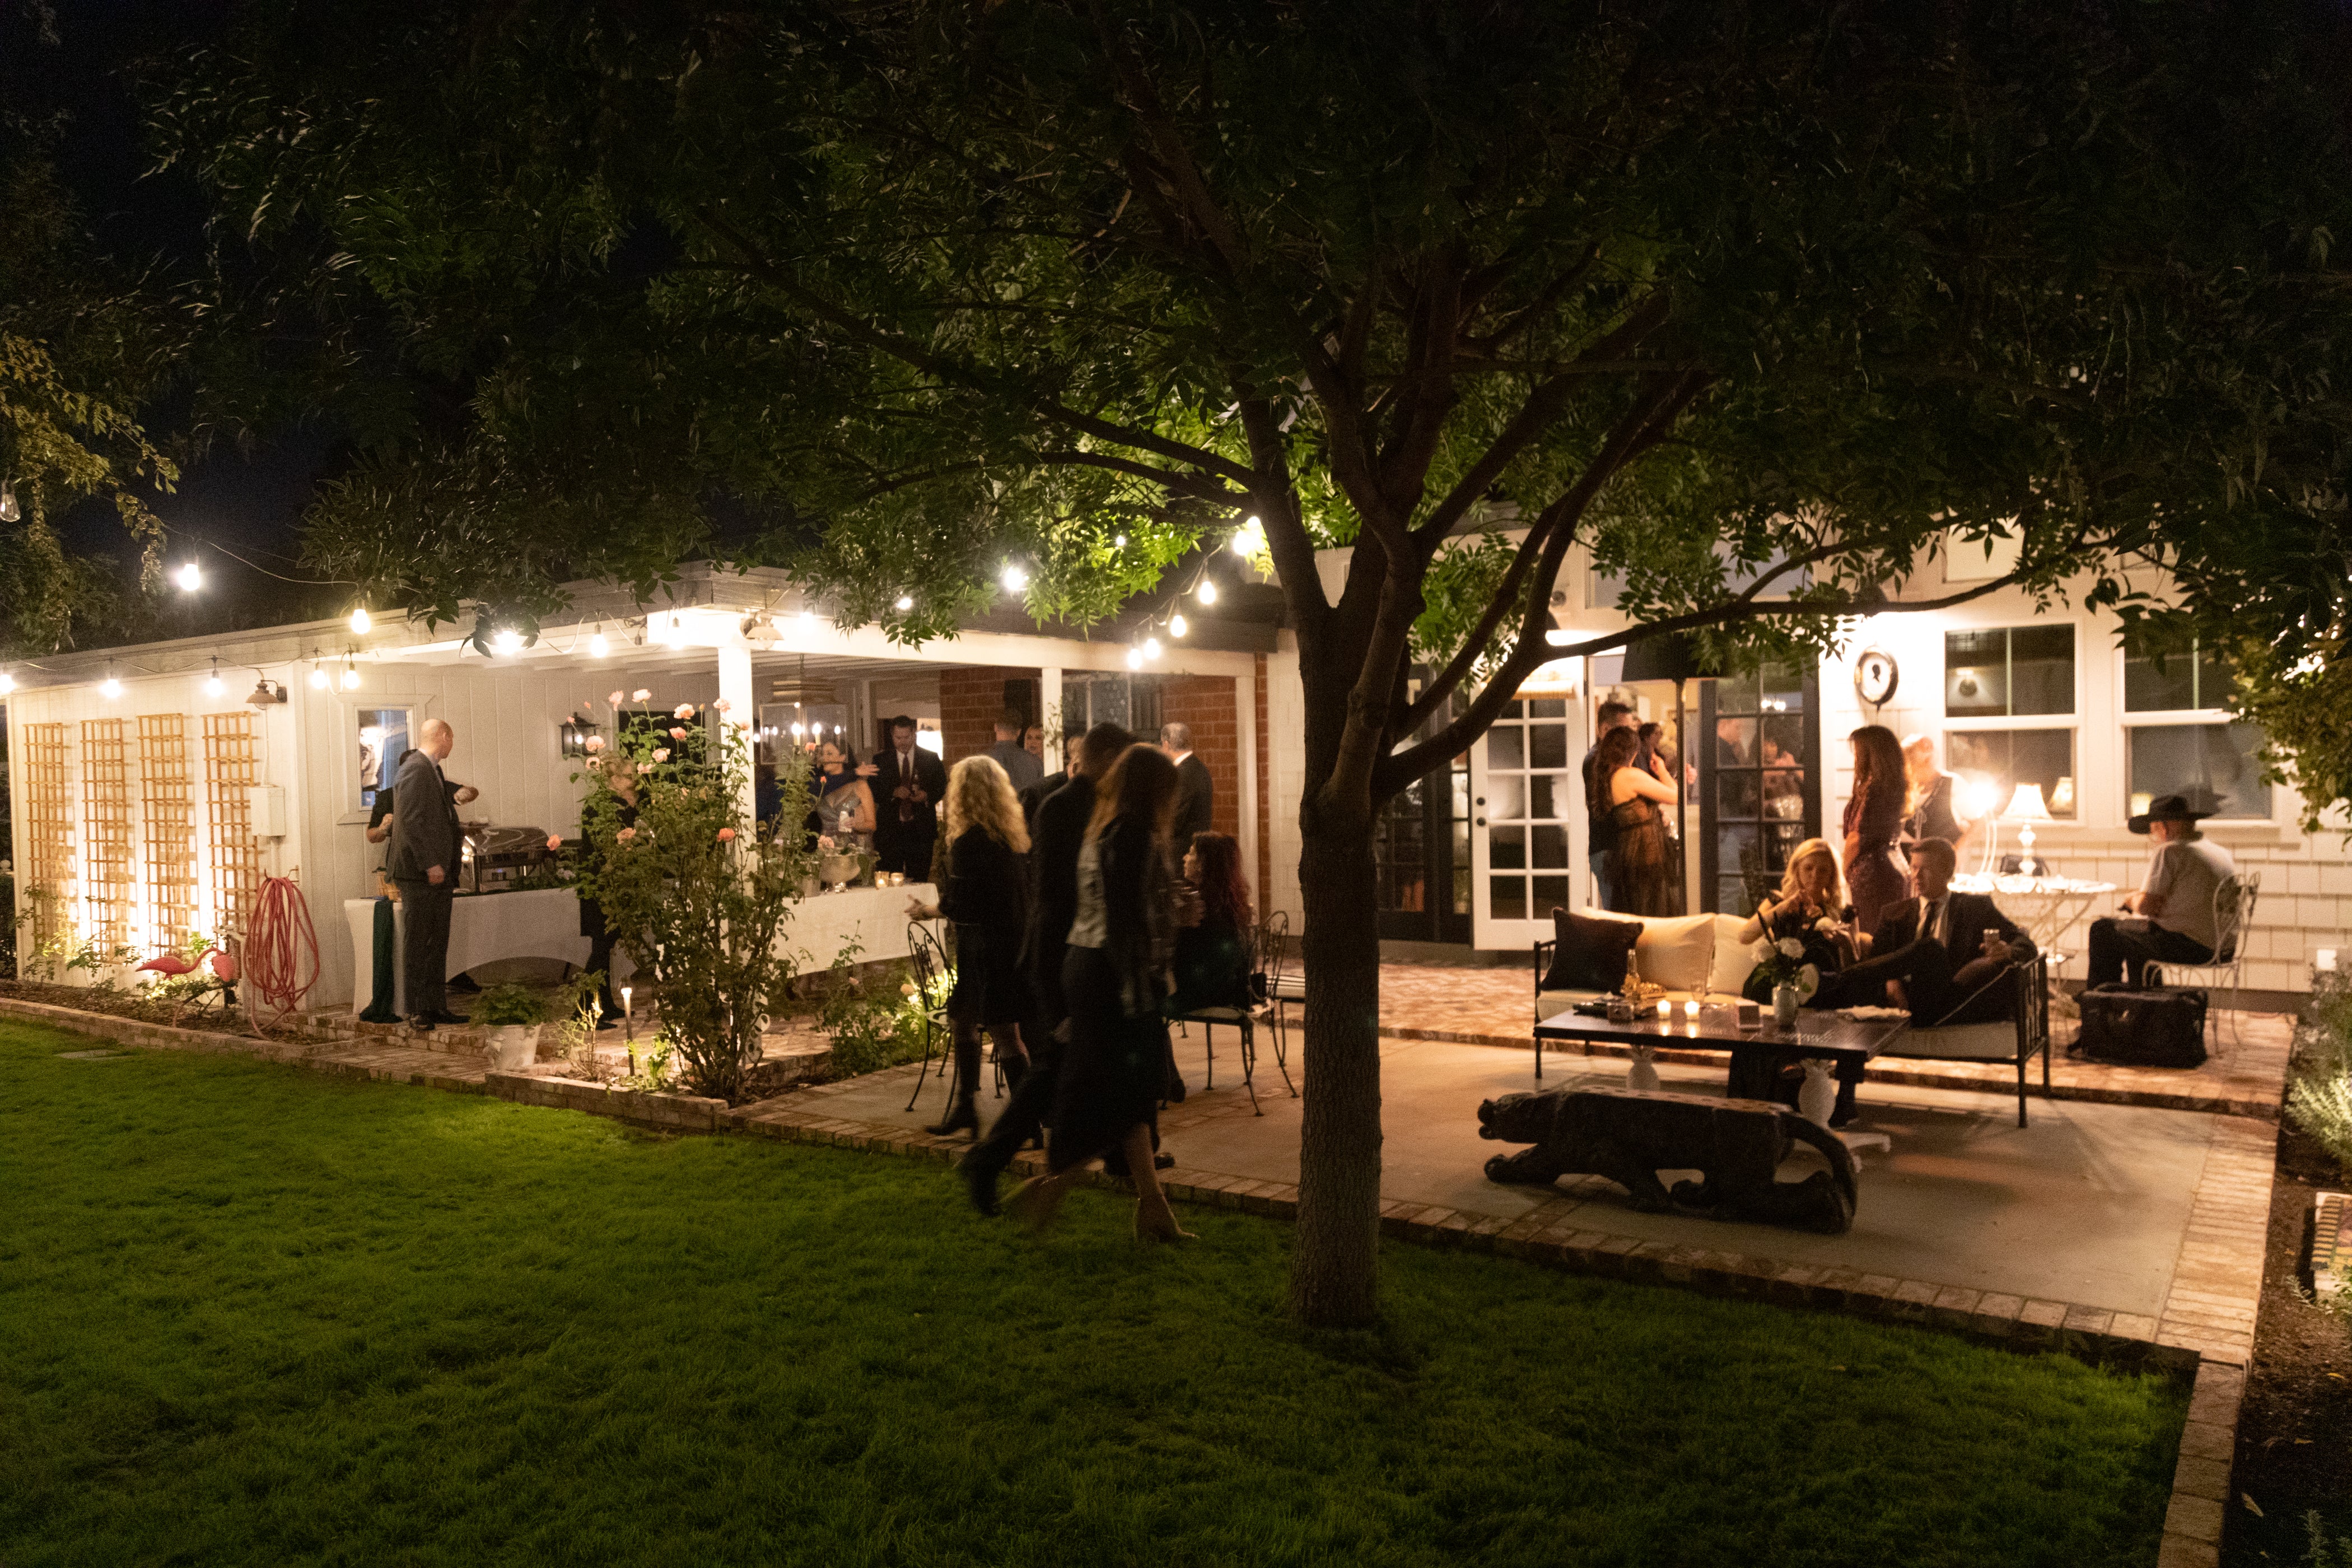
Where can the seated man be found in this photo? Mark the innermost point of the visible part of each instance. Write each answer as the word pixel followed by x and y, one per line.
pixel 2176 899
pixel 1942 954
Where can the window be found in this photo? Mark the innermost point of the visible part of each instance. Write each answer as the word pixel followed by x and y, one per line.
pixel 1759 793
pixel 2008 672
pixel 382 739
pixel 2215 764
pixel 1991 764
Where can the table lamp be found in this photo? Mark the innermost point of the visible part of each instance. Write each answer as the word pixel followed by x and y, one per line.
pixel 2026 808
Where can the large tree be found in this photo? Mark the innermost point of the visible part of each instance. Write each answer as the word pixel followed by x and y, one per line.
pixel 1760 304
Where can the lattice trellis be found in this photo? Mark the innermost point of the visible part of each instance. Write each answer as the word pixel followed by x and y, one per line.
pixel 106 856
pixel 169 864
pixel 49 818
pixel 232 767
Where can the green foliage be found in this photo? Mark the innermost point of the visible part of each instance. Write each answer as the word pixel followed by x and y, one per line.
pixel 2327 1550
pixel 2319 1096
pixel 876 1022
pixel 501 1006
pixel 694 895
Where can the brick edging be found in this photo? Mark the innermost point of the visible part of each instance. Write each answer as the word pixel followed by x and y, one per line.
pixel 2201 1477
pixel 170 1038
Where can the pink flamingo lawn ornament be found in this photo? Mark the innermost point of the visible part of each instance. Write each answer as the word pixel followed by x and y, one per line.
pixel 171 965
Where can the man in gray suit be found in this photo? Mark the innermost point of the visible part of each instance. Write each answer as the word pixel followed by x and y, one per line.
pixel 425 845
pixel 1196 792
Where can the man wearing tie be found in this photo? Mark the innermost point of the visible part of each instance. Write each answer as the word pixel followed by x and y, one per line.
pixel 909 783
pixel 425 843
pixel 1941 953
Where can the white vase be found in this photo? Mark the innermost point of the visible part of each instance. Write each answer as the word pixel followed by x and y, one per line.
pixel 1784 1006
pixel 1642 1076
pixel 513 1047
pixel 1817 1097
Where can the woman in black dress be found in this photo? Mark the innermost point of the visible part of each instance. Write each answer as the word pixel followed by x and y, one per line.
pixel 1874 818
pixel 1641 879
pixel 1115 982
pixel 985 891
pixel 1212 955
pixel 1809 911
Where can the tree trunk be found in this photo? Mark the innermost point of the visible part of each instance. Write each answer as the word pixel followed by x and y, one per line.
pixel 1334 1273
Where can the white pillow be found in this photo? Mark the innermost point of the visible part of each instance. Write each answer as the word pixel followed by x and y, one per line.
pixel 1734 960
pixel 1675 951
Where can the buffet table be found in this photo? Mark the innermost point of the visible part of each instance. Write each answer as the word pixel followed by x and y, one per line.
pixel 545 923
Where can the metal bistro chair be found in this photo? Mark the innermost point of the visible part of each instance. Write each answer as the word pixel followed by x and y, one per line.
pixel 1278 986
pixel 929 960
pixel 2234 916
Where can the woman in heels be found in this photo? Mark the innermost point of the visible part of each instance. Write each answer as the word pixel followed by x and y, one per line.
pixel 1115 982
pixel 985 891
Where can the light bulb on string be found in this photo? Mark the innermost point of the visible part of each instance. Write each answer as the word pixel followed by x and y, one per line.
pixel 903 602
pixel 351 677
pixel 213 687
pixel 189 576
pixel 1178 626
pixel 599 646
pixel 1248 538
pixel 7 683
pixel 361 621
pixel 318 676
pixel 1014 577
pixel 1135 658
pixel 110 688
pixel 1207 590
pixel 9 511
pixel 1152 648
pixel 1119 541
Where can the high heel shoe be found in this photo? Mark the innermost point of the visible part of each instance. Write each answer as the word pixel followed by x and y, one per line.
pixel 963 1116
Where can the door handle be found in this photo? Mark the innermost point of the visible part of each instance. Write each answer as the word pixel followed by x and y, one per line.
pixel 1482 822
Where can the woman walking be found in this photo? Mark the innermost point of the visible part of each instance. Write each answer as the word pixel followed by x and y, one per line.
pixel 985 891
pixel 1640 878
pixel 1874 818
pixel 1115 982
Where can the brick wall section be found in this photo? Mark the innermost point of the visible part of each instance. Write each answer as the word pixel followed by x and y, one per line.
pixel 970 697
pixel 1206 703
pixel 1265 790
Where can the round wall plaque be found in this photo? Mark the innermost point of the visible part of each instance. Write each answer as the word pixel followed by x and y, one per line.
pixel 1875 675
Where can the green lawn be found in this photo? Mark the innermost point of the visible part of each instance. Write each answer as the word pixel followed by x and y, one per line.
pixel 254 1314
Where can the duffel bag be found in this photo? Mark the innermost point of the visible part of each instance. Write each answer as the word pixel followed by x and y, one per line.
pixel 2143 1028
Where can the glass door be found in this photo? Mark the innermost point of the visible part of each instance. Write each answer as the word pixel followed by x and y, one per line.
pixel 1759 746
pixel 1527 811
pixel 1420 851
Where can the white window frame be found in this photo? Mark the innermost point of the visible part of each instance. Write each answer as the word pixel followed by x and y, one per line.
pixel 349 706
pixel 2170 719
pixel 1998 723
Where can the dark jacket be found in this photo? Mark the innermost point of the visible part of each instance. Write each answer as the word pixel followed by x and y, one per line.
pixel 1037 794
pixel 930 775
pixel 1054 841
pixel 1973 914
pixel 1212 967
pixel 1196 797
pixel 986 893
pixel 424 831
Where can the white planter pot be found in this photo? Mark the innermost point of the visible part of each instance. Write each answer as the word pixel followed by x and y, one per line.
pixel 513 1046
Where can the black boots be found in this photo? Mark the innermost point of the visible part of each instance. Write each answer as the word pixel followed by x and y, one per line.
pixel 963 1115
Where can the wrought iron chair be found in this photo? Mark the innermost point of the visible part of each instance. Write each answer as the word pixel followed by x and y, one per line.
pixel 2233 917
pixel 1278 986
pixel 928 958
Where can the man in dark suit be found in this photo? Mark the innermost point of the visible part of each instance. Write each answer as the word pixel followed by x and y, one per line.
pixel 1196 792
pixel 1038 793
pixel 1053 844
pixel 425 846
pixel 909 783
pixel 1943 954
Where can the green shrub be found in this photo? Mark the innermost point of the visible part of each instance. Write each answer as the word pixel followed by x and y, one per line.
pixel 2320 1098
pixel 878 1023
pixel 504 1005
pixel 2326 1552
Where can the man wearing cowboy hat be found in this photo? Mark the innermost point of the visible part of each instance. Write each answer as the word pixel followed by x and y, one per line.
pixel 2175 903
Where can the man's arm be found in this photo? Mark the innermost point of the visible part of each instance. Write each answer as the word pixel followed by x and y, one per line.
pixel 2149 900
pixel 2020 946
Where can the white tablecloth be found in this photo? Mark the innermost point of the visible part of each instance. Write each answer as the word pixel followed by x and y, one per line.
pixel 545 923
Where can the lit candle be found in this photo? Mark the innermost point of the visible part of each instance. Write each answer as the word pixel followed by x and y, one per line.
pixel 2325 960
pixel 1690 1009
pixel 1665 1009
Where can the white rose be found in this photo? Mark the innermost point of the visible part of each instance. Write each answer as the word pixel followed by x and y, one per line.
pixel 1790 947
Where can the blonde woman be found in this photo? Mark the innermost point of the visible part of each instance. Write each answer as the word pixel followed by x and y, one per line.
pixel 1810 910
pixel 984 889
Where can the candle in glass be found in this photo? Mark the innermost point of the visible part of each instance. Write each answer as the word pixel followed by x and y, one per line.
pixel 1665 1009
pixel 1690 1009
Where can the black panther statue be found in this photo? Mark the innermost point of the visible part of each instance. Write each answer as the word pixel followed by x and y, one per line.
pixel 1630 1135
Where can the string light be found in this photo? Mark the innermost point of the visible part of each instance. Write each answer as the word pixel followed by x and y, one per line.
pixel 318 676
pixel 351 677
pixel 110 688
pixel 213 687
pixel 361 621
pixel 1135 658
pixel 1177 624
pixel 903 602
pixel 1014 577
pixel 1119 541
pixel 189 576
pixel 1152 648
pixel 1249 538
pixel 7 683
pixel 1208 590
pixel 599 645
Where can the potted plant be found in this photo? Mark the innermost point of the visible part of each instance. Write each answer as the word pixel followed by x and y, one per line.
pixel 513 1014
pixel 1792 980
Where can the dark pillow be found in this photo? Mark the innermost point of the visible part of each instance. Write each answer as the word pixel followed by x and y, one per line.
pixel 1591 954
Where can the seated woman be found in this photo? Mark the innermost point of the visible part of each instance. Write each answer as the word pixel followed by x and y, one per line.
pixel 1641 879
pixel 1809 909
pixel 838 789
pixel 1212 956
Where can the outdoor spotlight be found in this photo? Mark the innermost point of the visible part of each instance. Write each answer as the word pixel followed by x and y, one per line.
pixel 599 646
pixel 189 576
pixel 1208 590
pixel 903 602
pixel 1178 626
pixel 110 688
pixel 508 641
pixel 361 621
pixel 7 683
pixel 1014 578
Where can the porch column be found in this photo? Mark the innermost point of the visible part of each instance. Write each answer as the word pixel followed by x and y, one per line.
pixel 735 690
pixel 1049 713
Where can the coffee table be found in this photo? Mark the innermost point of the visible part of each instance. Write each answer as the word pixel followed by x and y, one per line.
pixel 1753 1049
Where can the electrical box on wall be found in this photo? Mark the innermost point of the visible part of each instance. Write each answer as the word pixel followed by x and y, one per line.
pixel 268 803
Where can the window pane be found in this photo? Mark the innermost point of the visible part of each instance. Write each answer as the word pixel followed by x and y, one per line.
pixel 1736 694
pixel 1507 795
pixel 1548 707
pixel 1784 793
pixel 1783 688
pixel 1735 742
pixel 1514 708
pixel 1507 747
pixel 1540 801
pixel 2150 689
pixel 2217 683
pixel 1731 897
pixel 1976 674
pixel 1783 739
pixel 1547 744
pixel 2041 669
pixel 1552 847
pixel 2217 766
pixel 1507 897
pixel 1552 893
pixel 1992 763
pixel 1506 848
pixel 1735 796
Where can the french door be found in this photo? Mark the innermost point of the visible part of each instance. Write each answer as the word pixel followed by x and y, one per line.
pixel 1421 853
pixel 1528 836
pixel 1759 781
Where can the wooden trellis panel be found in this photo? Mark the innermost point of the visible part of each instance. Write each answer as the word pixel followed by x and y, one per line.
pixel 106 856
pixel 232 767
pixel 166 790
pixel 49 818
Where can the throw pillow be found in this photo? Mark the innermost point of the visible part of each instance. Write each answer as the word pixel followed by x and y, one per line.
pixel 1592 952
pixel 1676 951
pixel 1734 958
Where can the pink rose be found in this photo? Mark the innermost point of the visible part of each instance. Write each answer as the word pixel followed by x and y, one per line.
pixel 683 711
pixel 724 706
pixel 661 753
pixel 594 743
pixel 678 734
pixel 554 842
pixel 625 835
pixel 726 836
pixel 615 699
pixel 639 695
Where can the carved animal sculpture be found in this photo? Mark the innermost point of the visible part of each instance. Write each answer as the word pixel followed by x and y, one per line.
pixel 1629 1136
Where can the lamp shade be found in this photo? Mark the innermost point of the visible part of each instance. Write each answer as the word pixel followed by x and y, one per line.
pixel 2027 806
pixel 1668 656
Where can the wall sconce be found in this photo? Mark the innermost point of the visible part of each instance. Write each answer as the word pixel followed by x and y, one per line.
pixel 575 732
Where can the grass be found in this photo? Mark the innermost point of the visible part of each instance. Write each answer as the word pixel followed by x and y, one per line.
pixel 252 1314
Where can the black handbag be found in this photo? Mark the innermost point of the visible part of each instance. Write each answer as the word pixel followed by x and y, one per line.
pixel 2143 1028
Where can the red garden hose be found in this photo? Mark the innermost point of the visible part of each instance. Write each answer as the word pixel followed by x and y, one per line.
pixel 280 960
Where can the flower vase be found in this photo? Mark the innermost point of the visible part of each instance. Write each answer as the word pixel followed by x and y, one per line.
pixel 1784 1006
pixel 1818 1096
pixel 1642 1076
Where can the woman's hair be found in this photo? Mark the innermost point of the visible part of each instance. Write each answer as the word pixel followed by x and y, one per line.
pixel 1222 890
pixel 980 795
pixel 1617 747
pixel 1807 851
pixel 1878 771
pixel 825 746
pixel 1142 783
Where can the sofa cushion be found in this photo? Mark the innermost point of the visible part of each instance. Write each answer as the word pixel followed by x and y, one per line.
pixel 1591 952
pixel 1734 960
